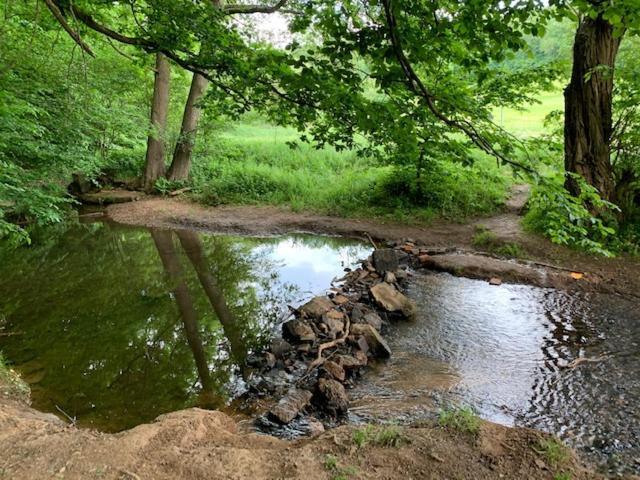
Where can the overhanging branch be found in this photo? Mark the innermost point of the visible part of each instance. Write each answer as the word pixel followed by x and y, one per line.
pixel 55 11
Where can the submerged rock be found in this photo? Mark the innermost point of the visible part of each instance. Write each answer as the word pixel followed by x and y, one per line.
pixel 290 405
pixel 389 298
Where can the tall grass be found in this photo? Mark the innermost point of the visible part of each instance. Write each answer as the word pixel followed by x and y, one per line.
pixel 252 163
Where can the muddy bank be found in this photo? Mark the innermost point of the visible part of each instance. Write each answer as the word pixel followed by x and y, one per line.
pixel 618 275
pixel 201 444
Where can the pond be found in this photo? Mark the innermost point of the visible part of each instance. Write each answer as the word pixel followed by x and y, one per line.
pixel 113 326
pixel 507 352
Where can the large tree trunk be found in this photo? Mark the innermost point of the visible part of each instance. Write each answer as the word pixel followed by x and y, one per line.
pixel 154 165
pixel 588 105
pixel 181 163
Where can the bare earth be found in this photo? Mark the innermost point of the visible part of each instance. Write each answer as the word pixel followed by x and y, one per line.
pixel 200 444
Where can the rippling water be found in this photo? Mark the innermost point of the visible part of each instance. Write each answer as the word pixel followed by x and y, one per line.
pixel 506 352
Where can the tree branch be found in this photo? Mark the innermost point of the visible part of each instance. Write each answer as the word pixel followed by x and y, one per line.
pixel 55 11
pixel 235 9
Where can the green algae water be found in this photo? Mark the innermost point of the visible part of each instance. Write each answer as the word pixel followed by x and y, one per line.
pixel 112 326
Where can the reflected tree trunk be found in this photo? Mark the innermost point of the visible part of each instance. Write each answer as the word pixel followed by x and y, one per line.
pixel 171 263
pixel 193 247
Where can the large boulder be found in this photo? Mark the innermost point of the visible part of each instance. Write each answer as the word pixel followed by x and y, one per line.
pixel 376 343
pixel 316 307
pixel 389 298
pixel 290 405
pixel 385 260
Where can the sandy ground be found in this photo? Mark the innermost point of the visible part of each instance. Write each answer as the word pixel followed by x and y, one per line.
pixel 200 444
pixel 619 275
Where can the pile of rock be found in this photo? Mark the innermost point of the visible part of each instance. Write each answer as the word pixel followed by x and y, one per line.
pixel 332 338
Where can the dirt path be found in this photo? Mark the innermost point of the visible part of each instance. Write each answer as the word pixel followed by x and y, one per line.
pixel 199 444
pixel 620 275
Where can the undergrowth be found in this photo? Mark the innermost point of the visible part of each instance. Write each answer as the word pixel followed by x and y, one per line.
pixel 461 419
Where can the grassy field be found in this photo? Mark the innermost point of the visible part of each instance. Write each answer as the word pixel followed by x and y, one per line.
pixel 529 122
pixel 252 163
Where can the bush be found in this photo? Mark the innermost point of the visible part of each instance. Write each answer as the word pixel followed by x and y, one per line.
pixel 572 221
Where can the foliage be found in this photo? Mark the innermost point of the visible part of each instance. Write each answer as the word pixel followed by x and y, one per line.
pixel 553 450
pixel 381 436
pixel 10 381
pixel 338 472
pixel 586 222
pixel 486 239
pixel 462 419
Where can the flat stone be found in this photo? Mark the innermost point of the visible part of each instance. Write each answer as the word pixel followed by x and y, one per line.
pixel 290 405
pixel 333 370
pixel 385 260
pixel 389 298
pixel 109 197
pixel 298 331
pixel 316 307
pixel 390 277
pixel 373 319
pixel 495 281
pixel 332 396
pixel 376 343
pixel 349 363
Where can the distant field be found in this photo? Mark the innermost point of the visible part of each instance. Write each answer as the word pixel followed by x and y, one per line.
pixel 530 121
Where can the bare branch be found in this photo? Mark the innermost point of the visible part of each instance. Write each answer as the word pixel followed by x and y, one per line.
pixel 55 11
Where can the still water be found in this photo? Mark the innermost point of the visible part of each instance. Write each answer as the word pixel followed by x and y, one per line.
pixel 506 351
pixel 114 326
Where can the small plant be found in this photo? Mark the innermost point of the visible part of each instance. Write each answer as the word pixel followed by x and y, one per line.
pixel 484 238
pixel 339 473
pixel 488 240
pixel 553 450
pixel 462 419
pixel 11 381
pixel 385 436
pixel 562 476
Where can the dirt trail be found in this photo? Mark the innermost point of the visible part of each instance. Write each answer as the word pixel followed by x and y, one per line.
pixel 199 444
pixel 619 275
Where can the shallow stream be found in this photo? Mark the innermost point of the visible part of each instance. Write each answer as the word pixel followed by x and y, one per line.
pixel 113 326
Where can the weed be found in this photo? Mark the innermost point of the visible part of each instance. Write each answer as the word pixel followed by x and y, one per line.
pixel 562 476
pixel 462 419
pixel 339 473
pixel 553 450
pixel 330 463
pixel 11 381
pixel 488 241
pixel 384 436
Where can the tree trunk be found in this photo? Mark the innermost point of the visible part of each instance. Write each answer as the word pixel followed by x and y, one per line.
pixel 154 165
pixel 181 163
pixel 588 107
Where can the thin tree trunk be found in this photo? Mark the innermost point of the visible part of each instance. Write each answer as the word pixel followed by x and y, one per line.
pixel 193 248
pixel 154 165
pixel 588 107
pixel 181 163
pixel 164 243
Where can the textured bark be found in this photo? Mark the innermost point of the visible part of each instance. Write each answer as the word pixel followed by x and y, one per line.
pixel 588 107
pixel 154 165
pixel 171 263
pixel 181 163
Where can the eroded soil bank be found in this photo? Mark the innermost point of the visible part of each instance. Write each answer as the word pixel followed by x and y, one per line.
pixel 201 444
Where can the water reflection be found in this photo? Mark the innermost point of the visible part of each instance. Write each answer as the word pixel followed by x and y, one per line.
pixel 116 326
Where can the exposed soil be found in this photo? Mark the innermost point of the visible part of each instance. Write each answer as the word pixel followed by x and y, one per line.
pixel 619 275
pixel 200 444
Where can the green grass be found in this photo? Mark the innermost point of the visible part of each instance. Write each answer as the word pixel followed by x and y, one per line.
pixel 382 436
pixel 10 382
pixel 338 472
pixel 529 122
pixel 487 240
pixel 252 164
pixel 553 450
pixel 461 419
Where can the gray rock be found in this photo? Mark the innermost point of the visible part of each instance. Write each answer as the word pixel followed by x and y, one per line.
pixel 280 347
pixel 377 344
pixel 290 405
pixel 385 260
pixel 373 319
